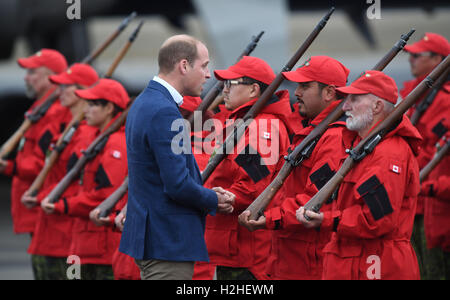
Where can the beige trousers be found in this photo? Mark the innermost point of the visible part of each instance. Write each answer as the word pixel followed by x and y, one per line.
pixel 165 270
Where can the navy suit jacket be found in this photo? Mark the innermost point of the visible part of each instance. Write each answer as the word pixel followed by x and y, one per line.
pixel 167 203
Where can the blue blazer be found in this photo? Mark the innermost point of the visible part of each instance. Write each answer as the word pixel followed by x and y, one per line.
pixel 167 203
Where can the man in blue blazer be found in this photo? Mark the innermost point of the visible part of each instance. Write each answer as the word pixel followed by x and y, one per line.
pixel 167 204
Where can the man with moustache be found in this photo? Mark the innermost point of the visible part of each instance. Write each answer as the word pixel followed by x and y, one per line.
pixel 373 215
pixel 36 140
pixel 296 252
pixel 424 56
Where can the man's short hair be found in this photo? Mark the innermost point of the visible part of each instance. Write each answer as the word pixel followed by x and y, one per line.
pixel 174 51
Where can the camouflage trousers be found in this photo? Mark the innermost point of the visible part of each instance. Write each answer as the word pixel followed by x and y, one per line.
pixel 434 263
pixel 96 272
pixel 228 273
pixel 49 268
pixel 55 268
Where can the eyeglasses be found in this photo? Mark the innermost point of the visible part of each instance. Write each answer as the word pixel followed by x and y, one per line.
pixel 417 55
pixel 228 83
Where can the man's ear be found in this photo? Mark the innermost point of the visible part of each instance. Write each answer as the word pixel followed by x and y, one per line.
pixel 378 106
pixel 329 93
pixel 110 107
pixel 183 66
pixel 255 91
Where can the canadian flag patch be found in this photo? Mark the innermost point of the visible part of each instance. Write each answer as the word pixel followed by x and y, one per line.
pixel 116 154
pixel 395 168
pixel 266 135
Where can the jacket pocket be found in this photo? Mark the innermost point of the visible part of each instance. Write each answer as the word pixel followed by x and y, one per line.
pixel 88 239
pixel 221 235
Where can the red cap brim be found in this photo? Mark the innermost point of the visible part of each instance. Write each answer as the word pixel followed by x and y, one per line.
pixel 346 90
pixel 27 63
pixel 226 74
pixel 87 94
pixel 61 79
pixel 415 48
pixel 296 76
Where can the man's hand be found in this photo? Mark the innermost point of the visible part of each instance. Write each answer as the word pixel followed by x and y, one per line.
pixel 120 221
pixel 226 200
pixel 94 217
pixel 251 225
pixel 28 200
pixel 47 207
pixel 315 219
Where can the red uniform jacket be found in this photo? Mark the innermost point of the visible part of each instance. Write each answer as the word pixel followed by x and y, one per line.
pixel 53 233
pixel 243 174
pixel 430 125
pixel 374 212
pixel 296 252
pixel 30 160
pixel 100 178
pixel 437 205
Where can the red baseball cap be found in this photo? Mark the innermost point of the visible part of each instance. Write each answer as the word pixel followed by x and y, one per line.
pixel 323 69
pixel 80 74
pixel 373 82
pixel 430 42
pixel 248 66
pixel 107 89
pixel 190 103
pixel 49 58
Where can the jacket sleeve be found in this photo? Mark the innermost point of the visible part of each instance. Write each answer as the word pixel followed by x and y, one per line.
pixel 312 174
pixel 109 176
pixel 177 181
pixel 252 175
pixel 380 188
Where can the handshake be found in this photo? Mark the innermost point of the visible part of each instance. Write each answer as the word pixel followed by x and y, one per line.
pixel 225 200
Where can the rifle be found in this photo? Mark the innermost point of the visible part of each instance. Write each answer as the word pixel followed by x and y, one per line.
pixel 367 144
pixel 440 154
pixel 429 98
pixel 71 128
pixel 263 99
pixel 108 204
pixel 38 112
pixel 94 148
pixel 218 86
pixel 304 150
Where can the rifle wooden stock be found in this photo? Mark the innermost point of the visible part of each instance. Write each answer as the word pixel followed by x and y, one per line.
pixel 108 204
pixel 123 51
pixel 74 123
pixel 8 147
pixel 218 86
pixel 435 161
pixel 239 130
pixel 94 148
pixel 367 145
pixel 429 98
pixel 11 144
pixel 62 142
pixel 91 57
pixel 303 150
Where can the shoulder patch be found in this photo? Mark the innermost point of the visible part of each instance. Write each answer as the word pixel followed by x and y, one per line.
pixel 45 141
pixel 101 178
pixel 376 197
pixel 251 163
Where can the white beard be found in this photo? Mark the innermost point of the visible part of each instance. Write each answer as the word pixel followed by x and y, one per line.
pixel 360 122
